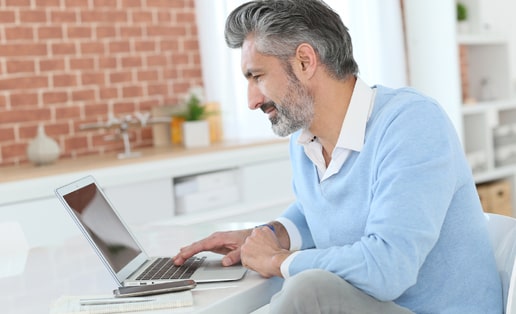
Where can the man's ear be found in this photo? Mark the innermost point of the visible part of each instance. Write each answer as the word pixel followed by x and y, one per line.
pixel 306 60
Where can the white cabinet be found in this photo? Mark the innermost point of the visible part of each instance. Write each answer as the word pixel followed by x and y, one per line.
pixel 473 83
pixel 233 184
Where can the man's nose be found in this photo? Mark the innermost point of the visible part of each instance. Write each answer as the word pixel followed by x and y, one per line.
pixel 255 98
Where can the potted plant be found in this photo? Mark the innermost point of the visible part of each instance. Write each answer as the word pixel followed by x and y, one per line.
pixel 462 18
pixel 195 127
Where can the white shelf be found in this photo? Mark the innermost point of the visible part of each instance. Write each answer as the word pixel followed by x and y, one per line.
pixel 481 39
pixel 483 106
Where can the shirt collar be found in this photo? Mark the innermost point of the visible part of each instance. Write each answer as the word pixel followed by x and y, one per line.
pixel 352 132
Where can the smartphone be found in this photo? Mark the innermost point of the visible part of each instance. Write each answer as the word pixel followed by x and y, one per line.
pixel 157 288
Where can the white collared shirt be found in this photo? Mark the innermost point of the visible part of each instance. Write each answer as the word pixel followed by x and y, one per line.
pixel 352 132
pixel 351 138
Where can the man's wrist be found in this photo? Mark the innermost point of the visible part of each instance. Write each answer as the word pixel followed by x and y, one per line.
pixel 270 226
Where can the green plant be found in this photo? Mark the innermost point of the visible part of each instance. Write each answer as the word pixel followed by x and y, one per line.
pixel 462 12
pixel 194 110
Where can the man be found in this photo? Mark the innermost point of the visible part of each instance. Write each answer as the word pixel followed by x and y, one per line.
pixel 386 217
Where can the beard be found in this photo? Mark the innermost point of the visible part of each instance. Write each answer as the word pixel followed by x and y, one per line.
pixel 295 111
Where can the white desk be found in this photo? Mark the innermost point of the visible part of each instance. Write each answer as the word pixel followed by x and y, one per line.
pixel 74 269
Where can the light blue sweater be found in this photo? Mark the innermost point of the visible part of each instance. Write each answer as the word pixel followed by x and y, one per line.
pixel 401 220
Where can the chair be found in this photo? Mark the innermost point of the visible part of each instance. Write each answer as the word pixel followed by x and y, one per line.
pixel 502 231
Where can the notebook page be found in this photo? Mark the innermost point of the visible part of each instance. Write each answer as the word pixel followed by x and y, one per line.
pixel 71 304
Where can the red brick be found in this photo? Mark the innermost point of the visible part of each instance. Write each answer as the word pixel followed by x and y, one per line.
pixel 124 107
pixel 20 83
pixel 147 105
pixel 96 109
pixel 83 95
pixel 68 112
pixel 48 3
pixel 190 73
pixel 17 3
pixel 53 97
pixel 25 115
pixel 23 99
pixel 64 80
pixel 157 89
pixel 130 3
pixel 19 33
pixel 121 77
pixel 49 32
pixel 165 31
pixel 165 4
pixel 20 66
pixel 185 18
pixel 7 16
pixel 104 3
pixel 158 60
pixel 33 16
pixel 92 48
pixel 170 45
pixel 3 102
pixel 147 75
pixel 144 45
pixel 179 58
pixel 131 31
pixel 63 49
pixel 108 93
pixel 79 32
pixel 107 63
pixel 142 17
pixel 131 62
pixel 77 142
pixel 93 78
pixel 82 63
pixel 55 129
pixel 104 16
pixel 7 134
pixel 52 65
pixel 132 91
pixel 119 46
pixel 191 45
pixel 59 17
pixel 105 31
pixel 14 151
pixel 76 3
pixel 165 17
pixel 25 50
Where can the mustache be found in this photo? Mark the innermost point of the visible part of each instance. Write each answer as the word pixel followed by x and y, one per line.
pixel 266 106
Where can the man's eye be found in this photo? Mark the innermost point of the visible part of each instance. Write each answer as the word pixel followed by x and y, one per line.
pixel 256 77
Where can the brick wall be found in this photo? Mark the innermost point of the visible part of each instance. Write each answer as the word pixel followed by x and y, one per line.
pixel 64 63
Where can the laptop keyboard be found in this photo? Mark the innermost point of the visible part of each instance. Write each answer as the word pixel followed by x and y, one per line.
pixel 164 268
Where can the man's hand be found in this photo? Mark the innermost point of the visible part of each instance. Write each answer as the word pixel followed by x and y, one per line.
pixel 263 253
pixel 227 243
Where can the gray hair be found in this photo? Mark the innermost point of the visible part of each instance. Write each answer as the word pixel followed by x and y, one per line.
pixel 280 26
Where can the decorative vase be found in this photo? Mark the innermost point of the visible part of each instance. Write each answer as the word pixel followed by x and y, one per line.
pixel 196 134
pixel 42 150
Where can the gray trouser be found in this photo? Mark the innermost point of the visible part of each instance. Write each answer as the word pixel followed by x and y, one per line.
pixel 318 291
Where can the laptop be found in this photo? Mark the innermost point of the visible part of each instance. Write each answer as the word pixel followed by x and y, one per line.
pixel 119 250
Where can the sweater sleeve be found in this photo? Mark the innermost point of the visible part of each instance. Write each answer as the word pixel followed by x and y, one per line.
pixel 413 181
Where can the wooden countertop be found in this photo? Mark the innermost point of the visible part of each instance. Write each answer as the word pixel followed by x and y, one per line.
pixel 62 166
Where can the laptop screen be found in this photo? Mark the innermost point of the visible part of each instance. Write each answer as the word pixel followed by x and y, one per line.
pixel 100 221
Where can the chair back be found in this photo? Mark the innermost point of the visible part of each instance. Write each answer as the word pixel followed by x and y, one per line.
pixel 502 231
